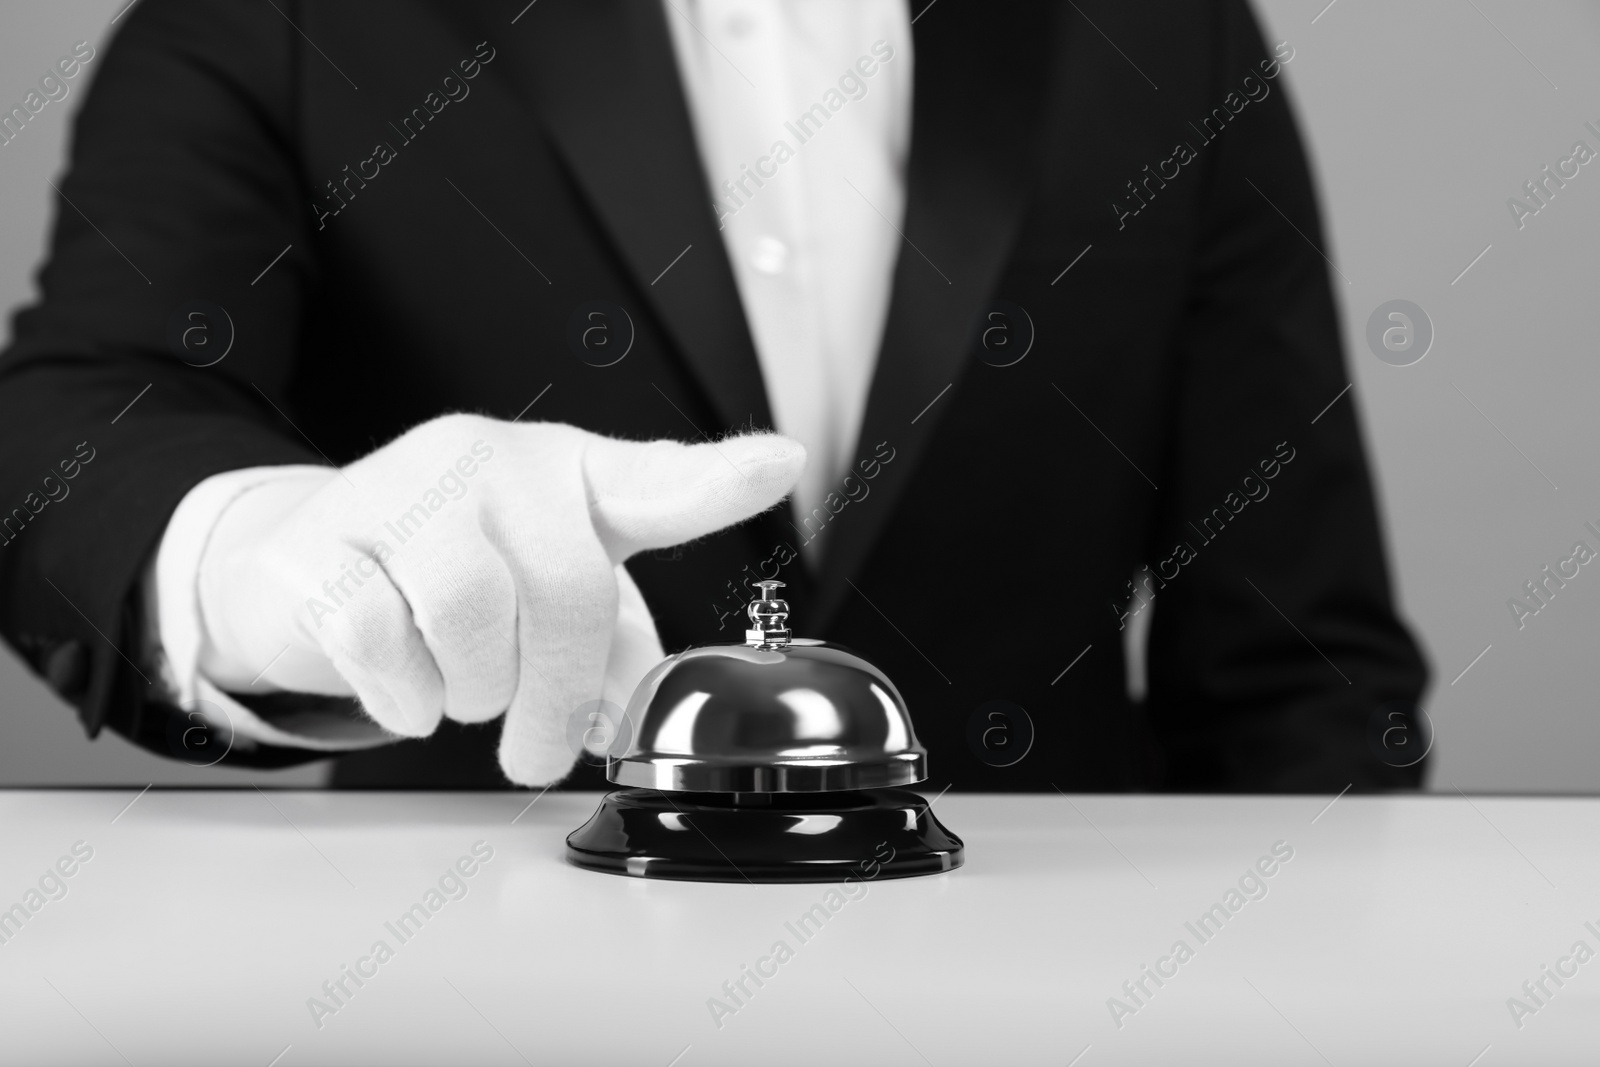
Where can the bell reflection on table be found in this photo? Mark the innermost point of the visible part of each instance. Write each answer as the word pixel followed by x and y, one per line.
pixel 777 760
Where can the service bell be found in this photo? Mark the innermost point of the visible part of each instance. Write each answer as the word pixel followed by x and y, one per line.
pixel 776 760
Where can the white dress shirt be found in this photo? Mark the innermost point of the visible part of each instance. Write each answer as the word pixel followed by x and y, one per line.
pixel 802 116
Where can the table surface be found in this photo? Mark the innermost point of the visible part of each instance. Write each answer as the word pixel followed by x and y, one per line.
pixel 202 924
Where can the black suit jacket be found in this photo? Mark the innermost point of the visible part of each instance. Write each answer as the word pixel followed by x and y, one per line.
pixel 1158 249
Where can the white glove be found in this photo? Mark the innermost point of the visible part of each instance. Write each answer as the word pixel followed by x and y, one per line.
pixel 469 568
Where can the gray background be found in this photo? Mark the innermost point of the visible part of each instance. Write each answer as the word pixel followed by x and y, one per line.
pixel 1423 118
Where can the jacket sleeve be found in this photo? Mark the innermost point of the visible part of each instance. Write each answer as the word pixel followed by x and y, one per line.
pixel 182 188
pixel 1274 644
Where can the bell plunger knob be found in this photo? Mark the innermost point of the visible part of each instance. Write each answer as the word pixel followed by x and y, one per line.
pixel 769 618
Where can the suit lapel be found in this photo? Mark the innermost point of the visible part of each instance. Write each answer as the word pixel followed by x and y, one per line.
pixel 978 88
pixel 605 82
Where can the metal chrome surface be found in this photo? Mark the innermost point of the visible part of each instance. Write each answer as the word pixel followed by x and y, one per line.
pixel 801 717
pixel 769 618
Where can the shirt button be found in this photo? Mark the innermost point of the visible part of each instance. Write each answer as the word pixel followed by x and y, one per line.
pixel 770 255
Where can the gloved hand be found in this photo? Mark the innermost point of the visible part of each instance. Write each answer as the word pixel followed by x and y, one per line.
pixel 470 568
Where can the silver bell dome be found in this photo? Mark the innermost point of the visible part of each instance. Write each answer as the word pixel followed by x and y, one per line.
pixel 776 714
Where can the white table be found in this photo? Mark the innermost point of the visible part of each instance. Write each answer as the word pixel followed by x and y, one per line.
pixel 204 921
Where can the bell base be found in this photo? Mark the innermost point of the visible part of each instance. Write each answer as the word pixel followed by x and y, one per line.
pixel 764 837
